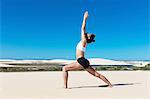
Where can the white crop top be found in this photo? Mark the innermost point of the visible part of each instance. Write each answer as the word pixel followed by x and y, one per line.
pixel 80 47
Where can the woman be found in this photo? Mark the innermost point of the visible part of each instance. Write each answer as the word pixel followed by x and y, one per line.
pixel 81 61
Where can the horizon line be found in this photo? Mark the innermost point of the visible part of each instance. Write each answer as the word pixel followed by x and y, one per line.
pixel 71 59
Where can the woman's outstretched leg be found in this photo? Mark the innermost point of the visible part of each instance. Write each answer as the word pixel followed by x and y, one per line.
pixel 69 67
pixel 96 74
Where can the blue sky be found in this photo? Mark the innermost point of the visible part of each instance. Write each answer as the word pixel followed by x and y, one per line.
pixel 46 29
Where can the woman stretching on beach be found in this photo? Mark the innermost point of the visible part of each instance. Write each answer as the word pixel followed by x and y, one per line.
pixel 81 61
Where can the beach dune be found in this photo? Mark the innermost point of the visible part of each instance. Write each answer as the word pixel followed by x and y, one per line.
pixel 49 85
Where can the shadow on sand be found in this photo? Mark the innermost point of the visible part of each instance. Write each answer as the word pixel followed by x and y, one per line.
pixel 119 84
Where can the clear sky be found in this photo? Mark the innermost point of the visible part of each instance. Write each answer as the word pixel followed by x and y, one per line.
pixel 46 29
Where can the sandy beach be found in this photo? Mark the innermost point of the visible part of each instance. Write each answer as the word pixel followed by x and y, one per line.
pixel 49 85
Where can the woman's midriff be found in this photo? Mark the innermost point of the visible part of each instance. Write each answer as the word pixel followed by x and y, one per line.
pixel 79 54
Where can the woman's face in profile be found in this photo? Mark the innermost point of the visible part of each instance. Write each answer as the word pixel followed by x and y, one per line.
pixel 90 35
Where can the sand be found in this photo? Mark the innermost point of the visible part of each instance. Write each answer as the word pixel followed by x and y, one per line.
pixel 49 85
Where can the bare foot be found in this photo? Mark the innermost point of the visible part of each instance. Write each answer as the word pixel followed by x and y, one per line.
pixel 65 87
pixel 110 86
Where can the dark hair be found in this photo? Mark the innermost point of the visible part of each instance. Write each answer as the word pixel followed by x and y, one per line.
pixel 91 38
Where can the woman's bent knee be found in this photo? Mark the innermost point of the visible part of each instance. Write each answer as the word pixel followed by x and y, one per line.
pixel 65 69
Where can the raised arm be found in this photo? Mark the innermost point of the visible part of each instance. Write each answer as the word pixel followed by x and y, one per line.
pixel 83 28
